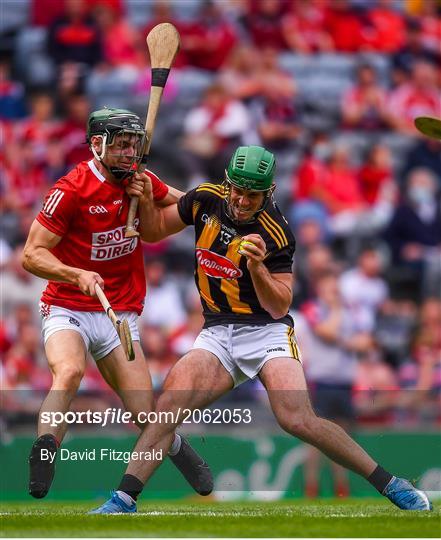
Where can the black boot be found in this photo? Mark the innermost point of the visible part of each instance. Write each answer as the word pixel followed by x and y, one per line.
pixel 41 471
pixel 193 468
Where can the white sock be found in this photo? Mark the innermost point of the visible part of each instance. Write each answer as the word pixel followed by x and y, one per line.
pixel 176 445
pixel 126 497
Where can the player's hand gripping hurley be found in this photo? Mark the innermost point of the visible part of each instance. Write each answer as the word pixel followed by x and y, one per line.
pixel 122 327
pixel 163 45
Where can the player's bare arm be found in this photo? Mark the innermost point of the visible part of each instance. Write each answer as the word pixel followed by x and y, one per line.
pixel 172 196
pixel 274 291
pixel 167 221
pixel 154 224
pixel 140 186
pixel 39 260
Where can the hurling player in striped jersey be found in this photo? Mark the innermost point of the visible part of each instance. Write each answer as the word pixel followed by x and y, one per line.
pixel 243 271
pixel 77 241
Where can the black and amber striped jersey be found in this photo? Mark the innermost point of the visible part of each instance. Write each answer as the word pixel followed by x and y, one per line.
pixel 222 278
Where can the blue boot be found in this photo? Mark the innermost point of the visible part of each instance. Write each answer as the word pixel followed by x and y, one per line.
pixel 404 495
pixel 115 505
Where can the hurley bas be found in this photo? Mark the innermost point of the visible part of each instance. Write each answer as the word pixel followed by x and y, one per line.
pixel 102 454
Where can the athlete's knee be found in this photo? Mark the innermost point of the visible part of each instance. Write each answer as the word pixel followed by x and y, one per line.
pixel 140 413
pixel 301 424
pixel 138 404
pixel 67 376
pixel 166 403
pixel 170 409
pixel 142 418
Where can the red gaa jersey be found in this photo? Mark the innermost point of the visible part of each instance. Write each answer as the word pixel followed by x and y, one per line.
pixel 90 214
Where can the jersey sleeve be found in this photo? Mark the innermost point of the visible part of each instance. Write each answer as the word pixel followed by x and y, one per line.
pixel 58 208
pixel 185 207
pixel 281 261
pixel 160 189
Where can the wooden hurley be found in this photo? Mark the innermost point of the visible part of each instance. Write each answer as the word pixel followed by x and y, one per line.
pixel 122 327
pixel 429 126
pixel 163 45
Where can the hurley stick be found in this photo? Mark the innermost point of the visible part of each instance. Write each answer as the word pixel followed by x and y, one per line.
pixel 429 126
pixel 163 45
pixel 122 327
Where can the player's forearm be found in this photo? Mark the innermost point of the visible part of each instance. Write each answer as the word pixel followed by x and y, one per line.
pixel 172 196
pixel 273 295
pixel 151 221
pixel 42 263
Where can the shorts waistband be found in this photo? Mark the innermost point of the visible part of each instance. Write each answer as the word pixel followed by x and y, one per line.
pixel 224 319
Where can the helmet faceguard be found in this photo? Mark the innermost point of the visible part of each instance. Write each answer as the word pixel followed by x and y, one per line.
pixel 117 129
pixel 251 168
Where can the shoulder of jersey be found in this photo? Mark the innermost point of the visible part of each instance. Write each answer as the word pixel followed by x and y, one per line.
pixel 66 188
pixel 275 224
pixel 211 190
pixel 75 179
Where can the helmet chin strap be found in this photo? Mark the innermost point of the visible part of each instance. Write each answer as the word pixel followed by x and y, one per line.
pixel 100 157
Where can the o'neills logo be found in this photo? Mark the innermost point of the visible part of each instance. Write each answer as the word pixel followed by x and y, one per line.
pixel 215 265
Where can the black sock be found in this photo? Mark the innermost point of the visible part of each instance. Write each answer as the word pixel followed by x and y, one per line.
pixel 131 485
pixel 380 478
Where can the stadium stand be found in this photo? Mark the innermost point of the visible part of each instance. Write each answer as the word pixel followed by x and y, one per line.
pixel 398 342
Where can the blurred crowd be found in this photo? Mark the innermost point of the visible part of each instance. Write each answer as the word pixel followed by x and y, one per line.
pixel 332 88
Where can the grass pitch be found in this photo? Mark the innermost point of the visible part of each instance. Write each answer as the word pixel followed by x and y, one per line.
pixel 296 518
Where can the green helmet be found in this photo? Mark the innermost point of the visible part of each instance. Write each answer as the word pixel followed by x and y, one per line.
pixel 111 121
pixel 251 167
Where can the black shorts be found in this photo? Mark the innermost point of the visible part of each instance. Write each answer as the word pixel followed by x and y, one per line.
pixel 333 401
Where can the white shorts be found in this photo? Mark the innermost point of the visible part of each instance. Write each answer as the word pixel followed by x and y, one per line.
pixel 243 349
pixel 95 327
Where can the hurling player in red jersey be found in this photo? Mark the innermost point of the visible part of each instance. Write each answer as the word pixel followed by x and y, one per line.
pixel 76 241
